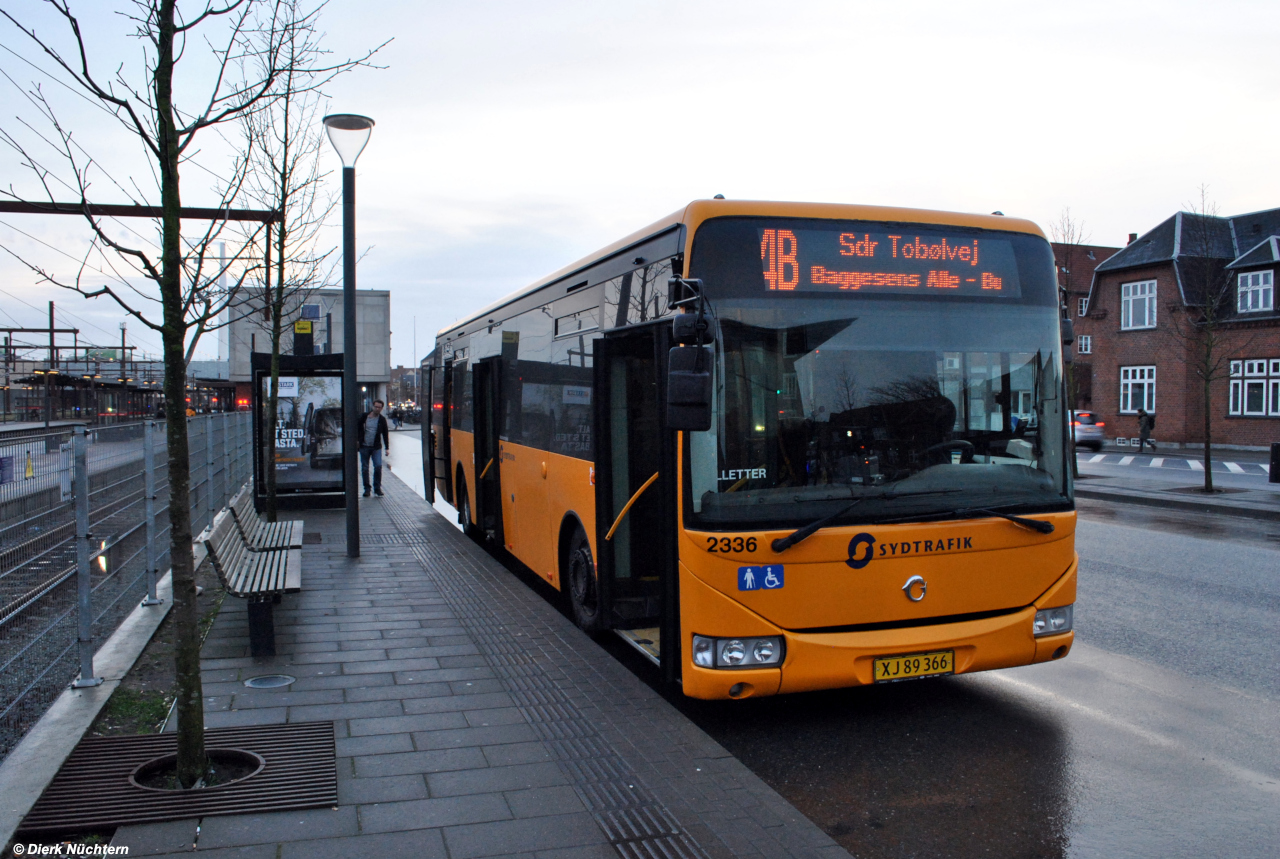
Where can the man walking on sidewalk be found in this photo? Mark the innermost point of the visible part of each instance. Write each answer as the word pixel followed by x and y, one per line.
pixel 1146 423
pixel 372 432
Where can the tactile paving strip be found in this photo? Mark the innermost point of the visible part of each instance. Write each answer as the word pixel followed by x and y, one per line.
pixel 637 824
pixel 92 791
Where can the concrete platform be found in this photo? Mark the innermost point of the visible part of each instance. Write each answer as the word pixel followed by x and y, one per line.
pixel 472 719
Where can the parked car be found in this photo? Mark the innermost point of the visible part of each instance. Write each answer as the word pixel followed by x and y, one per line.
pixel 1087 430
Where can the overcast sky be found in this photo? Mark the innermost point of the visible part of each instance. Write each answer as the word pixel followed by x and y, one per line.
pixel 514 137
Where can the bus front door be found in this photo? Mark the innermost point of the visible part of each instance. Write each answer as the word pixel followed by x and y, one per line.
pixel 486 388
pixel 635 494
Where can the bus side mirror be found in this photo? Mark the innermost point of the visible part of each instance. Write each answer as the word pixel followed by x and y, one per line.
pixel 1068 339
pixel 690 329
pixel 681 291
pixel 689 388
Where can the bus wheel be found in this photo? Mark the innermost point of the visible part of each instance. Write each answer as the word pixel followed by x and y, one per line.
pixel 464 509
pixel 581 576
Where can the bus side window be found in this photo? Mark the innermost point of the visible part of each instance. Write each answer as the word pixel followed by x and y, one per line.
pixel 461 405
pixel 637 296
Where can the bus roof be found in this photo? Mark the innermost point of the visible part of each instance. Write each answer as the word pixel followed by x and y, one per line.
pixel 692 216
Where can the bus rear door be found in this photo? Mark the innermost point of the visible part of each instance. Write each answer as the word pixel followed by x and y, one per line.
pixel 486 387
pixel 426 373
pixel 635 493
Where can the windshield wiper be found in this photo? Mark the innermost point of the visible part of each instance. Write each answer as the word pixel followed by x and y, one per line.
pixel 1033 524
pixel 783 543
pixel 965 512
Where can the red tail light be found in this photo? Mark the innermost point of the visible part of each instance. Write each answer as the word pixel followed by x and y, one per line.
pixel 1099 424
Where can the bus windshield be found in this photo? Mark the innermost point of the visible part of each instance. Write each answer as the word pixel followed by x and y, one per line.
pixel 922 403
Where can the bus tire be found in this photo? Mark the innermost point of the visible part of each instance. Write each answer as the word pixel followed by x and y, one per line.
pixel 580 574
pixel 464 508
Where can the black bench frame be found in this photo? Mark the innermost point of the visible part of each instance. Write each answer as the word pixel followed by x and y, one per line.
pixel 260 576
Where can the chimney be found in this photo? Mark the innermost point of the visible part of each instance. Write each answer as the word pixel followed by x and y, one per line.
pixel 1133 237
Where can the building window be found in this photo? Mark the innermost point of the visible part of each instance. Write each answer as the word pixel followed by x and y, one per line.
pixel 1082 306
pixel 1086 344
pixel 1255 388
pixel 1255 292
pixel 1138 305
pixel 1137 389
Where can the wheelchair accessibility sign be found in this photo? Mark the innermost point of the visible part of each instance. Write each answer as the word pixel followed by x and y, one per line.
pixel 768 578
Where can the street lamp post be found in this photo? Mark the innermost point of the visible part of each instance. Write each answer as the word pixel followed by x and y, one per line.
pixel 349 132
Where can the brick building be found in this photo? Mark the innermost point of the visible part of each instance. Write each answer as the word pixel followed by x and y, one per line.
pixel 1143 320
pixel 1076 265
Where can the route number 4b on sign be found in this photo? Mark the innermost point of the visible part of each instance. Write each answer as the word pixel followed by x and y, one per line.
pixel 768 578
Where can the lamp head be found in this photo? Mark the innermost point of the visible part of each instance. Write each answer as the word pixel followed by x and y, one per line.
pixel 348 132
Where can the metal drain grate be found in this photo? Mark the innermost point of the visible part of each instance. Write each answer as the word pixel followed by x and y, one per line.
pixel 92 790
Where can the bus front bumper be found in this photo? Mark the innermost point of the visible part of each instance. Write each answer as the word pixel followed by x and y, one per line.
pixel 833 660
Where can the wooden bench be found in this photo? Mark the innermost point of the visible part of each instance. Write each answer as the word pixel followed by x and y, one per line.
pixel 262 536
pixel 260 576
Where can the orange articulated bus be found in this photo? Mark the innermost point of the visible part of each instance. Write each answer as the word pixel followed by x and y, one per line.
pixel 779 446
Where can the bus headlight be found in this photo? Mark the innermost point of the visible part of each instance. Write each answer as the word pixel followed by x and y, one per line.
pixel 1051 621
pixel 704 652
pixel 737 652
pixel 763 650
pixel 732 653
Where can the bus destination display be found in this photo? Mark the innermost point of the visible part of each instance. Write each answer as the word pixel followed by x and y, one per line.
pixel 903 261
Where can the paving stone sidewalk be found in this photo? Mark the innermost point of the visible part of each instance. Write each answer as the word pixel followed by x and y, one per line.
pixel 1262 502
pixel 471 719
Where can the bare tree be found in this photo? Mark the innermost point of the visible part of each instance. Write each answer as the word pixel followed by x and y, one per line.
pixel 1200 326
pixel 846 382
pixel 285 175
pixel 246 40
pixel 1068 234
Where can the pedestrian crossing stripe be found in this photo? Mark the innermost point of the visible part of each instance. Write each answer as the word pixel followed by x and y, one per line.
pixel 1176 462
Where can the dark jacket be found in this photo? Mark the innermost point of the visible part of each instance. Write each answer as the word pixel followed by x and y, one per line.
pixel 382 432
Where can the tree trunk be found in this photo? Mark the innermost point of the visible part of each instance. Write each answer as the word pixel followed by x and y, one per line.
pixel 1208 438
pixel 192 762
pixel 276 303
pixel 273 401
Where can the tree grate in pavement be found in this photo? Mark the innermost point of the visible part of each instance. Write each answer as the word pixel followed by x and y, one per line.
pixel 636 823
pixel 92 790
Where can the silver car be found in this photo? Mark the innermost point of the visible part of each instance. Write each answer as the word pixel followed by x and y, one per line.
pixel 1086 429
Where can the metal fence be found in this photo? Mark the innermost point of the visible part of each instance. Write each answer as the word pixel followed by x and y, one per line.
pixel 60 596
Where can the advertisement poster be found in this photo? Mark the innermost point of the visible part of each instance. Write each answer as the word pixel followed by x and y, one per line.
pixel 307 452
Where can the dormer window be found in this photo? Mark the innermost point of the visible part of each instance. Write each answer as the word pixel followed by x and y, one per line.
pixel 1255 292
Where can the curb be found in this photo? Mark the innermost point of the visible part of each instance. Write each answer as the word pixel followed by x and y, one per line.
pixel 1203 506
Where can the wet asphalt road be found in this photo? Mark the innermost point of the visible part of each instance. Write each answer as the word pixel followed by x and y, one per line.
pixel 1159 736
